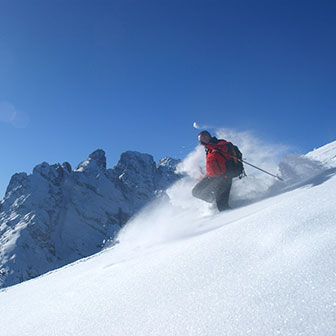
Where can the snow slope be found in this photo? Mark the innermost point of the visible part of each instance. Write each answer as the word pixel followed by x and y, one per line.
pixel 180 268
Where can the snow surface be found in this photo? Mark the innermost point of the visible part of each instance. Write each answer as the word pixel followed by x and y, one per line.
pixel 266 267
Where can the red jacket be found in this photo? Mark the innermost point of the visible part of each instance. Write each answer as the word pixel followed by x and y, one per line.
pixel 216 158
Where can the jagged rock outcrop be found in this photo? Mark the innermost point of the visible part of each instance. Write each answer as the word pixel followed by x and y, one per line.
pixel 57 215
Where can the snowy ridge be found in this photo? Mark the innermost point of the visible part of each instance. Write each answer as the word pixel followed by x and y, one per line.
pixel 267 268
pixel 57 215
pixel 326 154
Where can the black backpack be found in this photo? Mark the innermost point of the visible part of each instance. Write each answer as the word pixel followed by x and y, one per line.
pixel 235 166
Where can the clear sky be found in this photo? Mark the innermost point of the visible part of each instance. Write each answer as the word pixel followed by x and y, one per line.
pixel 77 75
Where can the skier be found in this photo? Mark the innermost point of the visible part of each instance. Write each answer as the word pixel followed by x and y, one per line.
pixel 216 185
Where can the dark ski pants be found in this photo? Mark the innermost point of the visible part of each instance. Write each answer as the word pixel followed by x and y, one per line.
pixel 216 189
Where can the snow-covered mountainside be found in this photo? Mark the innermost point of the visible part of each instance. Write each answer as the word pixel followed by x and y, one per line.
pixel 265 268
pixel 57 215
pixel 325 154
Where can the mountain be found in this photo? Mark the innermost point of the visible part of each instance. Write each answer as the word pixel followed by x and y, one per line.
pixel 266 268
pixel 57 215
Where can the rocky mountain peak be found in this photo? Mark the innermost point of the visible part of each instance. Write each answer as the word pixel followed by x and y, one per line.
pixel 134 159
pixel 17 181
pixel 57 215
pixel 99 157
pixel 95 161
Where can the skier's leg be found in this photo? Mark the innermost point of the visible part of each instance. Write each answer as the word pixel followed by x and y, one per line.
pixel 204 190
pixel 222 193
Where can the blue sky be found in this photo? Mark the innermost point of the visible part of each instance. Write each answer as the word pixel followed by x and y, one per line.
pixel 134 75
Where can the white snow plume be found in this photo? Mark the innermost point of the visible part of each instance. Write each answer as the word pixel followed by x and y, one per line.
pixel 194 164
pixel 160 222
pixel 259 153
pixel 299 168
pixel 255 150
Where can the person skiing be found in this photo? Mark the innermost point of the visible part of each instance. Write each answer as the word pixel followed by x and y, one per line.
pixel 216 185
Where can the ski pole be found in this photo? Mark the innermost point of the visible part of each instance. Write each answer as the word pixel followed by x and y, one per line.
pixel 266 172
pixel 250 164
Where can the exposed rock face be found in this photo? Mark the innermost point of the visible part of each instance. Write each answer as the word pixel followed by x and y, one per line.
pixel 57 215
